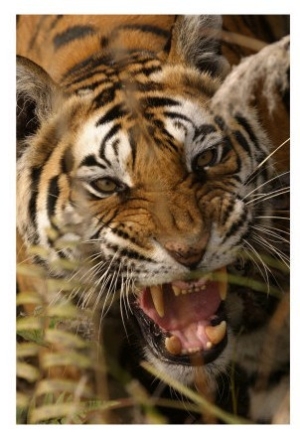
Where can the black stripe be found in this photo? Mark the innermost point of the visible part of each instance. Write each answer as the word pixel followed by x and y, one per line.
pixel 286 94
pixel 158 101
pixel 86 77
pixel 132 142
pixel 39 261
pixel 140 58
pixel 245 124
pixel 236 225
pixel 89 63
pixel 113 130
pixel 226 146
pixel 204 130
pixel 242 141
pixel 67 161
pixel 220 122
pixel 227 212
pixel 90 161
pixel 109 135
pixel 51 243
pixel 105 97
pixel 148 70
pixel 145 28
pixel 115 146
pixel 164 139
pixel 35 178
pixel 115 112
pixel 101 69
pixel 53 192
pixel 90 87
pixel 173 115
pixel 128 252
pixel 145 67
pixel 168 43
pixel 148 87
pixel 72 34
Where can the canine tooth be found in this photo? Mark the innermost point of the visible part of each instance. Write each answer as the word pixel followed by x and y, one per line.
pixel 216 333
pixel 158 300
pixel 173 345
pixel 209 345
pixel 203 287
pixel 176 290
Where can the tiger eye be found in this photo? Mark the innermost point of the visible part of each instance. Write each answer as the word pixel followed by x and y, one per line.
pixel 206 158
pixel 106 185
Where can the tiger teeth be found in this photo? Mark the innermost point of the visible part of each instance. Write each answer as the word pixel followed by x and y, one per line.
pixel 216 334
pixel 176 290
pixel 208 345
pixel 158 299
pixel 173 345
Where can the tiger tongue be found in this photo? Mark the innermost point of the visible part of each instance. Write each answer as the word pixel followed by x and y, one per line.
pixel 184 311
pixel 176 306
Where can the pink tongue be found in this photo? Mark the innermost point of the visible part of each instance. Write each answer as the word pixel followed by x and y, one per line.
pixel 184 312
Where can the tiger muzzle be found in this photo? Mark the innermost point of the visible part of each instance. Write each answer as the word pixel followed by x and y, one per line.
pixel 187 254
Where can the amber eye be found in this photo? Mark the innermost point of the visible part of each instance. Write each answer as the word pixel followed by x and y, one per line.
pixel 106 185
pixel 205 159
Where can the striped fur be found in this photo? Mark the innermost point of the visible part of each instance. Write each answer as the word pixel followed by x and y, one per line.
pixel 124 166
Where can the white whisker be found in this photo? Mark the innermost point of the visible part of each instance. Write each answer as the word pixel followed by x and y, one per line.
pixel 270 232
pixel 274 229
pixel 272 217
pixel 263 242
pixel 266 269
pixel 271 154
pixel 267 196
pixel 262 185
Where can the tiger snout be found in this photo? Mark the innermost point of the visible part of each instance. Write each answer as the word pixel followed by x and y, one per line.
pixel 187 253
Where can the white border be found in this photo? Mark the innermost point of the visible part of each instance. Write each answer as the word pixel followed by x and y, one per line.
pixel 154 6
pixel 7 164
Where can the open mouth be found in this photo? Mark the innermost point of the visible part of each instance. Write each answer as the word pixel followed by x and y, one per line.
pixel 184 318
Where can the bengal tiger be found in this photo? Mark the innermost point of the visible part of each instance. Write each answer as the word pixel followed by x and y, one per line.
pixel 159 196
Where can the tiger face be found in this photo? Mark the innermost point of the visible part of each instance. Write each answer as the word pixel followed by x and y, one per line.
pixel 128 171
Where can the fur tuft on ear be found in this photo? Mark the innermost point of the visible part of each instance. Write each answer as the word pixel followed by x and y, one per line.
pixel 36 93
pixel 196 42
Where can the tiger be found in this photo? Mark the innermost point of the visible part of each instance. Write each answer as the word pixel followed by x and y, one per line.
pixel 129 167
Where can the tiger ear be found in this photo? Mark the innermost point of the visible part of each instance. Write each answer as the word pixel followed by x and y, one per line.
pixel 36 93
pixel 195 42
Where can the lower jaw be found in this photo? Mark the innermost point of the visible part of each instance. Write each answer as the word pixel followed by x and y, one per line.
pixel 154 338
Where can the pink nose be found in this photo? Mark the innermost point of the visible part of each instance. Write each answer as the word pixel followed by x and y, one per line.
pixel 184 254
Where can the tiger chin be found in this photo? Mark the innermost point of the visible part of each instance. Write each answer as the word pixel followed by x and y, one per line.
pixel 125 167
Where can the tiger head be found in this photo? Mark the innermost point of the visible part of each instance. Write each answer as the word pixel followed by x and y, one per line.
pixel 126 170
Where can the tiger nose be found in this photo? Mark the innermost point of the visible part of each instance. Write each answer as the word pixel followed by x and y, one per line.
pixel 185 254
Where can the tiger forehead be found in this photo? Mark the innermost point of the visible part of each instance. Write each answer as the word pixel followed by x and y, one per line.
pixel 144 133
pixel 136 78
pixel 155 159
